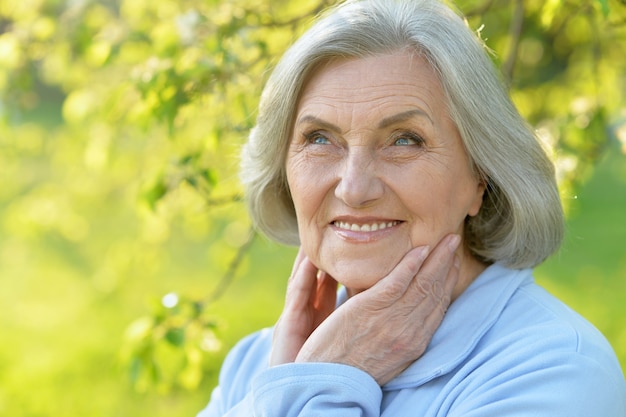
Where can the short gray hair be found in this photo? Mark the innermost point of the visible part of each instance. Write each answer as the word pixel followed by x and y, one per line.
pixel 521 220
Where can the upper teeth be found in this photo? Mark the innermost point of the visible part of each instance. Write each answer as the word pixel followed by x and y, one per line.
pixel 365 227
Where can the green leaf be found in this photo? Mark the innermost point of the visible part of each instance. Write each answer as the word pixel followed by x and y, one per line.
pixel 210 176
pixel 549 11
pixel 134 369
pixel 604 6
pixel 175 336
pixel 155 192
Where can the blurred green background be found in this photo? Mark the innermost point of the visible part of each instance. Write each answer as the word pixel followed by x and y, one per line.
pixel 127 265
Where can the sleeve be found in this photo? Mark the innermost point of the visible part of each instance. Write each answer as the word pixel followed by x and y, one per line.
pixel 248 388
pixel 310 389
pixel 554 384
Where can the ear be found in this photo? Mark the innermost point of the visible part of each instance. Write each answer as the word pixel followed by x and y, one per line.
pixel 477 200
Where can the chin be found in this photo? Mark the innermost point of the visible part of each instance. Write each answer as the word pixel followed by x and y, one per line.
pixel 357 278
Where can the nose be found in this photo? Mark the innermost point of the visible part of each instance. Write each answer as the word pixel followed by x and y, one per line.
pixel 359 183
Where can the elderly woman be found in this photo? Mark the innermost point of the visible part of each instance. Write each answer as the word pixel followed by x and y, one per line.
pixel 387 148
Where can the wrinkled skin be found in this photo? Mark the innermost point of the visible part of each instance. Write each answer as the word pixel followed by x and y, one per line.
pixel 381 330
pixel 382 187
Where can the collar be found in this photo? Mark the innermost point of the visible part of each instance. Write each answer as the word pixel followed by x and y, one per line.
pixel 465 323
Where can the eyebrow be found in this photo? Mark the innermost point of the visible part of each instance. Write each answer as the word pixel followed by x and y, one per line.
pixel 402 117
pixel 386 122
pixel 319 122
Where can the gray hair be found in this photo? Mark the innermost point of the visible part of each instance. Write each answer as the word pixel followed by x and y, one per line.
pixel 521 220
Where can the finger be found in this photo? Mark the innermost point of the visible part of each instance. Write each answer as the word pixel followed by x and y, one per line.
pixel 439 305
pixel 432 321
pixel 394 285
pixel 326 295
pixel 302 284
pixel 442 302
pixel 301 256
pixel 432 311
pixel 430 283
pixel 453 277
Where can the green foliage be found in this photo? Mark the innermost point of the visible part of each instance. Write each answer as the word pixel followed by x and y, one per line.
pixel 563 64
pixel 178 335
pixel 120 125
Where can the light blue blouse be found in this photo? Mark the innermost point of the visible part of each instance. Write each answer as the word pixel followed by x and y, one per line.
pixel 505 348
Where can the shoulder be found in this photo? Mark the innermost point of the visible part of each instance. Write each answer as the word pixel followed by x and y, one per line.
pixel 537 356
pixel 527 313
pixel 537 317
pixel 542 350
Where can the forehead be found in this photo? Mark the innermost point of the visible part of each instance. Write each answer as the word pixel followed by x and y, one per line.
pixel 403 78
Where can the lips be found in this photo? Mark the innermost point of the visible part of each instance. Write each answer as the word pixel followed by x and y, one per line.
pixel 365 227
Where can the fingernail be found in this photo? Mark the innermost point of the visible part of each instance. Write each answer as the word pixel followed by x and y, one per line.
pixel 457 262
pixel 453 242
pixel 421 252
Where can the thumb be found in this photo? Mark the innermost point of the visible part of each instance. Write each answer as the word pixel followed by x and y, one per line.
pixel 326 295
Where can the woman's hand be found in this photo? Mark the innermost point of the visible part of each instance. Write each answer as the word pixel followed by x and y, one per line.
pixel 311 297
pixel 381 330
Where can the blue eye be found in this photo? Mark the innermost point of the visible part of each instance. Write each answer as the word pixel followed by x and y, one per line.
pixel 403 142
pixel 408 139
pixel 317 138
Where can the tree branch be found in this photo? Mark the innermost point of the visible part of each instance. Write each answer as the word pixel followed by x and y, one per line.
pixel 515 34
pixel 480 10
pixel 295 20
pixel 229 275
pixel 222 201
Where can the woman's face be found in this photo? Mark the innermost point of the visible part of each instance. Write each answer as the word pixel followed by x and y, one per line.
pixel 376 167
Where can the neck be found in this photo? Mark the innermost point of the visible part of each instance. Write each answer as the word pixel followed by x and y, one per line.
pixel 469 270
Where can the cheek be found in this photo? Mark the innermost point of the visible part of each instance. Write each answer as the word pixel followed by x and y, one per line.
pixel 307 194
pixel 437 208
pixel 309 182
pixel 305 197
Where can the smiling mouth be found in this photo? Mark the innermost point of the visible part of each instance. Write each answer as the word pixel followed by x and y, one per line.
pixel 368 227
